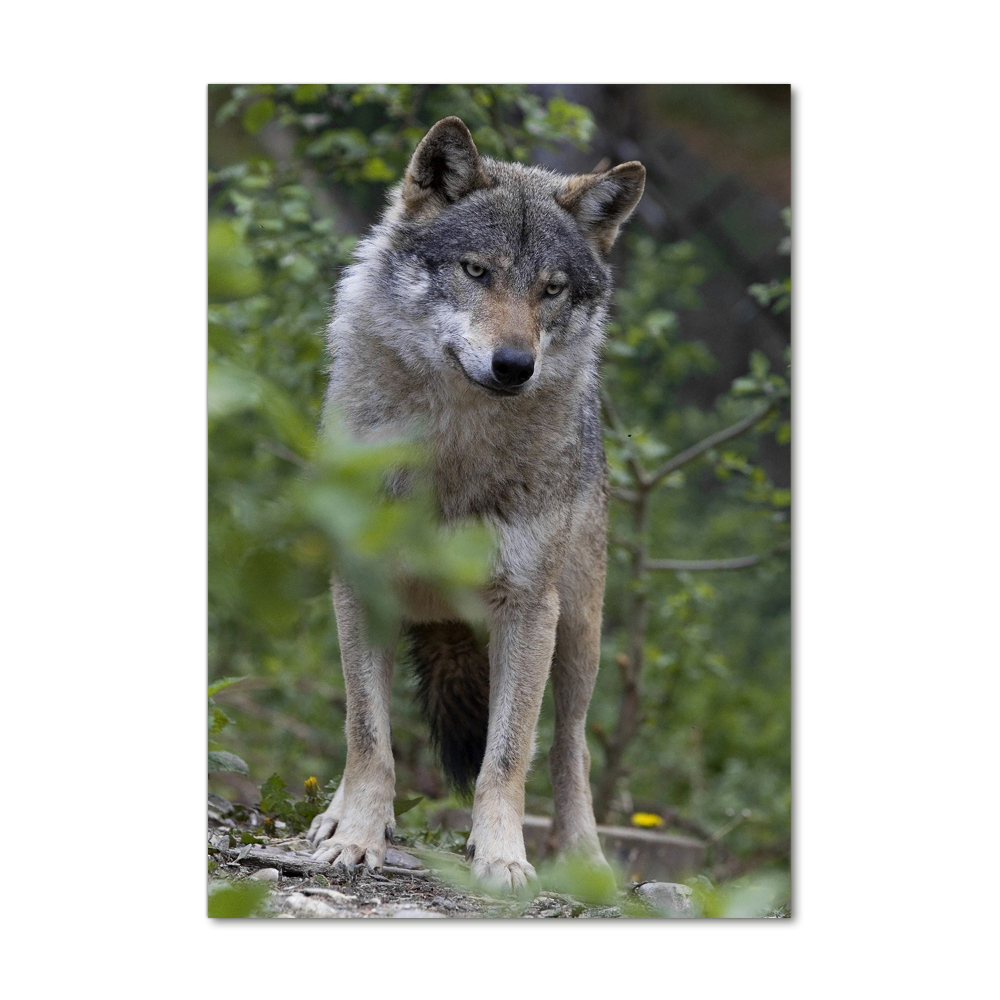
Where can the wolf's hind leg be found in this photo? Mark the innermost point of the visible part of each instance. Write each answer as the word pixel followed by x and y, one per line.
pixel 574 673
pixel 358 822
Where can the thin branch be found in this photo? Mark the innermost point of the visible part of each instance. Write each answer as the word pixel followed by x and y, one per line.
pixel 621 540
pixel 740 562
pixel 628 496
pixel 640 474
pixel 671 465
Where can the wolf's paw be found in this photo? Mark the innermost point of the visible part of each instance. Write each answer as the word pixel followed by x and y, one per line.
pixel 323 826
pixel 325 823
pixel 354 849
pixel 508 877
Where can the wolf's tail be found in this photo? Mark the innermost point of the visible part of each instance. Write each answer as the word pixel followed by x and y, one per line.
pixel 453 688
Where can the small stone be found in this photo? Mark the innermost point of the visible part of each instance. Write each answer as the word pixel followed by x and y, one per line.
pixel 220 805
pixel 266 874
pixel 400 859
pixel 306 907
pixel 412 912
pixel 601 912
pixel 671 898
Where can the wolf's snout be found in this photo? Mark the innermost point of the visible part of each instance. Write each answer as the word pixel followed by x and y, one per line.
pixel 511 367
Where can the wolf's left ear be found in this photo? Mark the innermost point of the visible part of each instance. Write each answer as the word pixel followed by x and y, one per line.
pixel 600 203
pixel 445 167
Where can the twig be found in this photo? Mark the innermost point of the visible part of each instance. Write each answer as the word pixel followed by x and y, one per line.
pixel 621 540
pixel 740 562
pixel 640 474
pixel 628 496
pixel 671 465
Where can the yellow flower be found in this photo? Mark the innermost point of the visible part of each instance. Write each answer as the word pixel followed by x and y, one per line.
pixel 647 819
pixel 312 789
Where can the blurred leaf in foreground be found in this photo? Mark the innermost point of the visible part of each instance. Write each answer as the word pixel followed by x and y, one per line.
pixel 236 899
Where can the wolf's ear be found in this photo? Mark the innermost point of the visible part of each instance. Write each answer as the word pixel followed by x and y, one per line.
pixel 600 203
pixel 445 167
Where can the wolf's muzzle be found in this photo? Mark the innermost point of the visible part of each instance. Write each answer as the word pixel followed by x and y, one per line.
pixel 512 368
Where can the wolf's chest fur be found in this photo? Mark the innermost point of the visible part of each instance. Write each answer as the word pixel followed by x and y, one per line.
pixel 503 465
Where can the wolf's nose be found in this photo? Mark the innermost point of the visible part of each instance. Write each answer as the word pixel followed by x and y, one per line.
pixel 511 367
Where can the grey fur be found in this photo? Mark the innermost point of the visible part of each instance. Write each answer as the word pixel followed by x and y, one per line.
pixel 471 256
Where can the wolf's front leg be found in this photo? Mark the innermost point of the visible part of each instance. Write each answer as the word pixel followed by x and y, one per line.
pixel 359 821
pixel 522 637
pixel 574 673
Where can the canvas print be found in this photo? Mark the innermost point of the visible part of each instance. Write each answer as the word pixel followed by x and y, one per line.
pixel 499 533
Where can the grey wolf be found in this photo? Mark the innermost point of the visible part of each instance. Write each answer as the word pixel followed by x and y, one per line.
pixel 474 316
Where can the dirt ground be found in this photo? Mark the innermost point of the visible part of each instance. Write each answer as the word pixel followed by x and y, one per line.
pixel 416 882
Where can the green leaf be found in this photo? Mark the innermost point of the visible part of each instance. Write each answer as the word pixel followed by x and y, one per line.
pixel 759 365
pixel 219 721
pixel 232 273
pixel 258 115
pixel 305 811
pixel 214 689
pixel 309 93
pixel 400 806
pixel 237 899
pixel 220 760
pixel 274 799
pixel 376 169
pixel 299 268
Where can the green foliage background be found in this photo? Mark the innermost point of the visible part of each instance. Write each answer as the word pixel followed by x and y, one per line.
pixel 296 173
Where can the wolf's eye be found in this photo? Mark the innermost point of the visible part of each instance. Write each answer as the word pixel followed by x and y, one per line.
pixel 553 290
pixel 473 270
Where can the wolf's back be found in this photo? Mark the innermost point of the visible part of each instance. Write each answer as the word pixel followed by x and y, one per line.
pixel 453 688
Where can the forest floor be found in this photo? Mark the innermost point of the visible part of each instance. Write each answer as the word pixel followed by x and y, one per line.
pixel 252 874
pixel 276 877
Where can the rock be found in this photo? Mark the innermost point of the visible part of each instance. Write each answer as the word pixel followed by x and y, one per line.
pixel 267 874
pixel 672 899
pixel 409 911
pixel 400 859
pixel 221 806
pixel 305 907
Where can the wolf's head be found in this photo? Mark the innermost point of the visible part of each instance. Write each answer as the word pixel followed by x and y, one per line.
pixel 502 266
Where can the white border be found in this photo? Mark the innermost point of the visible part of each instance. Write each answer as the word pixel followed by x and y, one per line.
pixel 104 587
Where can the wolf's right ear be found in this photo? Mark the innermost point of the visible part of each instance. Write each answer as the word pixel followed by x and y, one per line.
pixel 445 167
pixel 600 203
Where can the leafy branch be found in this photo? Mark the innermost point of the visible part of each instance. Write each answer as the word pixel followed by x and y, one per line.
pixel 637 495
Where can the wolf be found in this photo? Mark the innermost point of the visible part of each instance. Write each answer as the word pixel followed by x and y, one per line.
pixel 473 316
